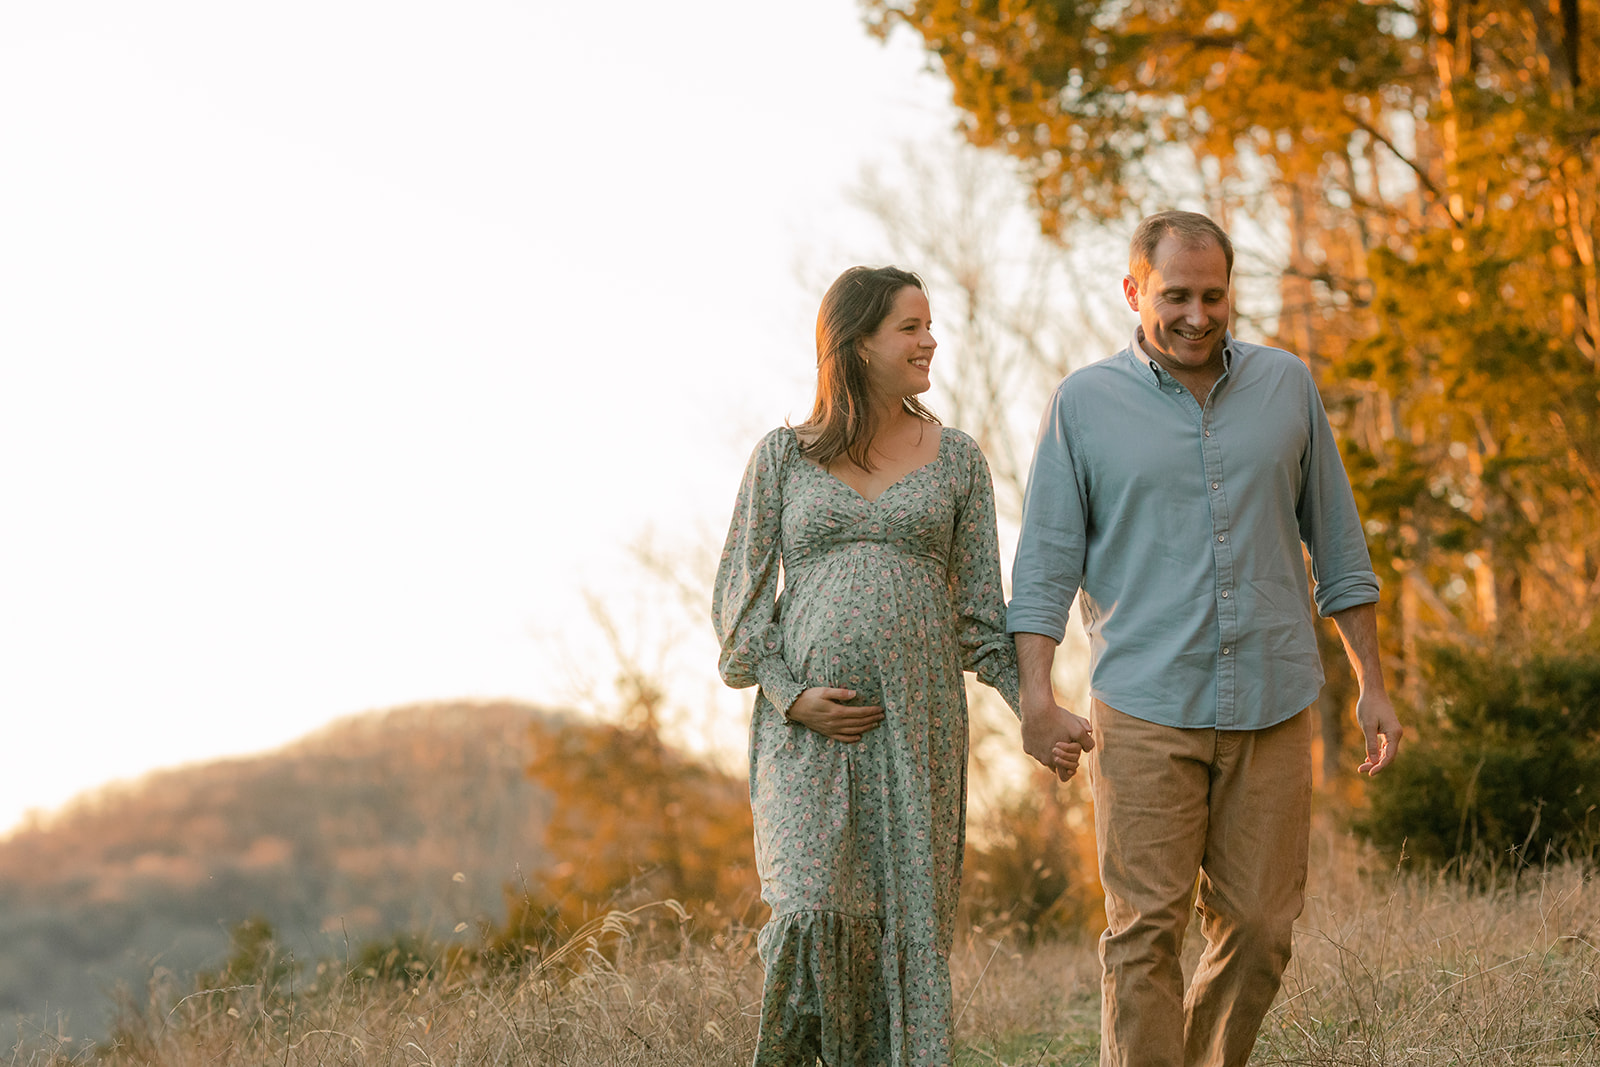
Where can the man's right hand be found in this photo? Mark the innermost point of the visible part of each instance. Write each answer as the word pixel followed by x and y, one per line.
pixel 822 709
pixel 1054 736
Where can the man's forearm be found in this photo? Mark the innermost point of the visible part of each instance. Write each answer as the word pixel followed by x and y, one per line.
pixel 1050 733
pixel 1036 657
pixel 1358 627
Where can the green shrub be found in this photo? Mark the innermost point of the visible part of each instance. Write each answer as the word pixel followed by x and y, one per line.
pixel 1030 867
pixel 255 958
pixel 402 957
pixel 1504 763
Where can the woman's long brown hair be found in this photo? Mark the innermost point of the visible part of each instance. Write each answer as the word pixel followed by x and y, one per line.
pixel 842 421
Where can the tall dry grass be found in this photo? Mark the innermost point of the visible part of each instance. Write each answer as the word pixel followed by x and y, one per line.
pixel 1391 968
pixel 628 988
pixel 1502 968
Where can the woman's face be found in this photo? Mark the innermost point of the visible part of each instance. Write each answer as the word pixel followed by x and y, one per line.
pixel 900 351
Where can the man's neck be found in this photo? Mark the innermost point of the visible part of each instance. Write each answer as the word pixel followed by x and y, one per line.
pixel 1198 380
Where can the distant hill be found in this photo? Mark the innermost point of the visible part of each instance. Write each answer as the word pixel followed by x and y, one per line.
pixel 353 833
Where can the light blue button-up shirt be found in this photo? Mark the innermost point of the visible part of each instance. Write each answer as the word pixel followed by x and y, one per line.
pixel 1182 527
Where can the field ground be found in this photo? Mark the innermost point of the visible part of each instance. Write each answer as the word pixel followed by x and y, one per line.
pixel 1390 969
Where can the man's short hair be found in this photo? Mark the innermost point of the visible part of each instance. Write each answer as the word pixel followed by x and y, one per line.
pixel 1190 227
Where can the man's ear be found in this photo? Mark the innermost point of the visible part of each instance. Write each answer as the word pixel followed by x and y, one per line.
pixel 1130 289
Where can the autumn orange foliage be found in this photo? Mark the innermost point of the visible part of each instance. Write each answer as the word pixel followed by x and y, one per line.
pixel 634 819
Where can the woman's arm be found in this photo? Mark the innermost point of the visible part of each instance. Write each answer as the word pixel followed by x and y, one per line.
pixel 975 589
pixel 744 607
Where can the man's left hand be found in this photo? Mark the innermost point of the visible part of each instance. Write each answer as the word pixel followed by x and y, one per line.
pixel 1382 729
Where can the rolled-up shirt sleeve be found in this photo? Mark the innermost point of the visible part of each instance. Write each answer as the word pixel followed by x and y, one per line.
pixel 1341 567
pixel 1048 568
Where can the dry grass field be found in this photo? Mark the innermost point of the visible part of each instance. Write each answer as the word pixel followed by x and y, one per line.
pixel 1390 969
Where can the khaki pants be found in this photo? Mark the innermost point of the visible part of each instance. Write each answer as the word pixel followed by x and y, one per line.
pixel 1232 808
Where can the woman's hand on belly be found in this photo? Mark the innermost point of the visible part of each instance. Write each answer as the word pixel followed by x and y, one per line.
pixel 822 709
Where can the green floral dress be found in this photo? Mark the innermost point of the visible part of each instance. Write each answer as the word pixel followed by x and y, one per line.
pixel 859 845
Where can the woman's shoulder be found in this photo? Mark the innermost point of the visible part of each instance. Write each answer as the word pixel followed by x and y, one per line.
pixel 784 436
pixel 778 448
pixel 772 452
pixel 951 437
pixel 778 441
pixel 960 445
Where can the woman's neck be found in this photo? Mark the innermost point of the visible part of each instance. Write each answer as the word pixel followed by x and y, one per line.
pixel 887 410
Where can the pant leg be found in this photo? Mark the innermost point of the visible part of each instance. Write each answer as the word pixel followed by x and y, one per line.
pixel 1252 887
pixel 1151 787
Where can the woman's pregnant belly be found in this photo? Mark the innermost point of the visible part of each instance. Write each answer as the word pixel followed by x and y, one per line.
pixel 856 630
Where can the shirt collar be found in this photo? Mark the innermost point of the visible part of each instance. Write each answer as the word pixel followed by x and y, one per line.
pixel 1137 349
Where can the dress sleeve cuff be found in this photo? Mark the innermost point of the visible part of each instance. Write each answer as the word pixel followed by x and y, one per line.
pixel 1007 682
pixel 777 684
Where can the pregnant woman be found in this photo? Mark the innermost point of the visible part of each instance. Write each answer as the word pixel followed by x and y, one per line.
pixel 879 526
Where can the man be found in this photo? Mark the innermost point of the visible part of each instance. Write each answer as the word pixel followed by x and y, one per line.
pixel 1173 485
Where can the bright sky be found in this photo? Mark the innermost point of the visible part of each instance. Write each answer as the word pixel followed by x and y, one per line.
pixel 343 344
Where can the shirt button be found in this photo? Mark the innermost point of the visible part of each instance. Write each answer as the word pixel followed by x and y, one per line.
pixel 1226 651
pixel 1222 537
pixel 1224 594
pixel 1216 485
pixel 1208 433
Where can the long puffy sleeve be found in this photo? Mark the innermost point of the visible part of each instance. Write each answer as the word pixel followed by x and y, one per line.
pixel 744 602
pixel 975 590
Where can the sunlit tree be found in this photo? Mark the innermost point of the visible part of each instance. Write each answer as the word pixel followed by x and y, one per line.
pixel 633 819
pixel 1428 169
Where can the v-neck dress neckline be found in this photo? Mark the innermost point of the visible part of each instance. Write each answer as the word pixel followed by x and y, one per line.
pixel 938 454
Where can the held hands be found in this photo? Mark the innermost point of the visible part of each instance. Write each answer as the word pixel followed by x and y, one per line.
pixel 1378 721
pixel 1054 736
pixel 822 709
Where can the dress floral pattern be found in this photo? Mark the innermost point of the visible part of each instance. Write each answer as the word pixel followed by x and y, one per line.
pixel 859 845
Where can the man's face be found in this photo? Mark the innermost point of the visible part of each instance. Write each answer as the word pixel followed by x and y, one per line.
pixel 1184 305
